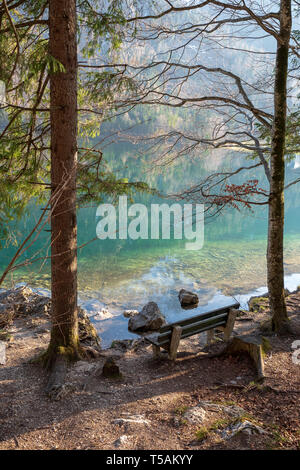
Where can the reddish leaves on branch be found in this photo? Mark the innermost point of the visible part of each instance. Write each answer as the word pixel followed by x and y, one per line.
pixel 239 194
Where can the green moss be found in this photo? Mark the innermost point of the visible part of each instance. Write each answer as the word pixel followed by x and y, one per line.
pixel 266 345
pixel 71 353
pixel 180 410
pixel 223 423
pixel 201 434
pixel 226 402
pixel 220 424
pixel 254 385
pixel 249 417
pixel 258 304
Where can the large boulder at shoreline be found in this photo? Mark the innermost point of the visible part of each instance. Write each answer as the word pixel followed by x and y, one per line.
pixel 150 318
pixel 23 302
pixel 187 298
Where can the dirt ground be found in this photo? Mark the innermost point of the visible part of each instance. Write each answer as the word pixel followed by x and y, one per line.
pixel 145 408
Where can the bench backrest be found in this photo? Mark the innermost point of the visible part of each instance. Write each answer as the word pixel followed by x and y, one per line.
pixel 197 324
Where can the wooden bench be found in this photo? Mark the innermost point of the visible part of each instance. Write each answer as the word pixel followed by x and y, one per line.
pixel 170 335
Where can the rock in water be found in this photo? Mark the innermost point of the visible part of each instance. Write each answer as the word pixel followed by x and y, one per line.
pixel 150 318
pixel 111 369
pixel 187 298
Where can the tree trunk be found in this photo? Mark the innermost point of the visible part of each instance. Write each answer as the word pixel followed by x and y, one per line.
pixel 280 321
pixel 63 99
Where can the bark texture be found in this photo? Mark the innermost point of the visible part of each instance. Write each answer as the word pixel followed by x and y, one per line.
pixel 280 321
pixel 63 96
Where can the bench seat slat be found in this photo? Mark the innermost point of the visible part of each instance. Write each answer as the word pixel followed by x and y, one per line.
pixel 201 316
pixel 194 327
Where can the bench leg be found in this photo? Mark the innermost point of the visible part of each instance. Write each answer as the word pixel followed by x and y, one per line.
pixel 175 339
pixel 210 334
pixel 230 323
pixel 156 350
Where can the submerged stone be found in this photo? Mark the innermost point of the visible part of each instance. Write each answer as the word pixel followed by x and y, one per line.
pixel 187 298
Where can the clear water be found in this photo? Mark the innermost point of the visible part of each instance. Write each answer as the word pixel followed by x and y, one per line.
pixel 125 274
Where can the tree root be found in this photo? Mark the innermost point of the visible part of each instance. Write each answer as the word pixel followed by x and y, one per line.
pixel 57 360
pixel 57 380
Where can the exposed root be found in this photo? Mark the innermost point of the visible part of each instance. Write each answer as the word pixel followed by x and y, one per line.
pixel 57 377
pixel 56 360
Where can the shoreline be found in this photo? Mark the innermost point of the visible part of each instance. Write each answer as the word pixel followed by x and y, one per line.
pixel 111 325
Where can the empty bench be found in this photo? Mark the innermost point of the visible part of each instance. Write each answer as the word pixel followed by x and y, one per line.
pixel 170 335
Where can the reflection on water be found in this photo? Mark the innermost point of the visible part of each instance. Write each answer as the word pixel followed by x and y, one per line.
pixel 126 274
pixel 166 296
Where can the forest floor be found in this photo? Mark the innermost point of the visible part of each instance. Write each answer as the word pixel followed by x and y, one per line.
pixel 147 408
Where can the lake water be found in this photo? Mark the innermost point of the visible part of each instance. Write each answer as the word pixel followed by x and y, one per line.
pixel 126 274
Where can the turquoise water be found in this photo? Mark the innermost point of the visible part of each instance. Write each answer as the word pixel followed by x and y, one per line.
pixel 125 274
